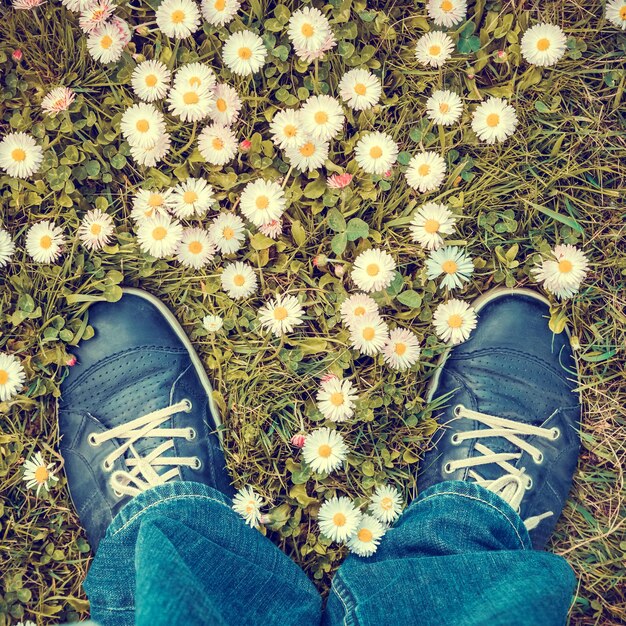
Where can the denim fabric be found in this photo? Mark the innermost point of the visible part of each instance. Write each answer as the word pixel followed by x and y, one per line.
pixel 459 555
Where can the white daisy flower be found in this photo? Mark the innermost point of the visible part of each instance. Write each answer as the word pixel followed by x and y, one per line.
pixel 563 275
pixel 57 100
pixel 616 13
pixel 355 306
pixel 151 80
pixel 95 15
pixel 273 229
pixel 219 12
pixel 159 235
pixel 149 203
pixel 194 75
pixel 426 171
pixel 430 222
pixel 226 105
pixel 142 125
pixel 455 265
pixel 308 57
pixel 373 270
pixel 244 53
pixel 27 5
pixel 286 129
pixel 105 44
pixel 191 104
pixel 376 152
pixel 543 44
pixel 76 5
pixel 20 156
pixel 239 280
pixel 191 198
pixel 27 622
pixel 368 534
pixel 44 242
pixel 96 229
pixel 447 13
pixel 324 450
pixel 454 320
pixel 434 49
pixel 336 398
pixel 494 120
pixel 178 18
pixel 444 107
pixel 151 155
pixel 248 504
pixel 308 156
pixel 212 323
pixel 7 247
pixel 195 249
pixel 360 89
pixel 12 376
pixel 322 117
pixel 369 334
pixel 338 519
pixel 37 474
pixel 227 232
pixel 281 315
pixel 402 349
pixel 217 144
pixel 386 504
pixel 263 201
pixel 308 29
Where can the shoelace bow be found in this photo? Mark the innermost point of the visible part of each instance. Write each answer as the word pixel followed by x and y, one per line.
pixel 142 473
pixel 512 486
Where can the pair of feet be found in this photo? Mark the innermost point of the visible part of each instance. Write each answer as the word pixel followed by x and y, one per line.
pixel 137 411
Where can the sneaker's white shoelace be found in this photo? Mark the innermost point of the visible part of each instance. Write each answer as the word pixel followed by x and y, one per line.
pixel 512 486
pixel 142 473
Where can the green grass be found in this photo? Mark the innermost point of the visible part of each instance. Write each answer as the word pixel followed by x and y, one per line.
pixel 560 178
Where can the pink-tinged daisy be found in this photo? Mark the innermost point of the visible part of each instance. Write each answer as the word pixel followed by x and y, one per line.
pixel 58 100
pixel 95 15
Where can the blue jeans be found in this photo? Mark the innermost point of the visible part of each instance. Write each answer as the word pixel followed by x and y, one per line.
pixel 459 555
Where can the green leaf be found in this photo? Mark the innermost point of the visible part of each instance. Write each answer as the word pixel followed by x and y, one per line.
pixel 410 298
pixel 396 285
pixel 564 219
pixel 315 189
pixel 298 233
pixel 339 243
pixel 259 241
pixel 357 228
pixel 404 158
pixel 336 220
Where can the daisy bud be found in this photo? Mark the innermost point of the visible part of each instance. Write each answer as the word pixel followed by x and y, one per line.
pixel 471 76
pixel 340 270
pixel 297 441
pixel 245 145
pixel 339 181
pixel 142 31
pixel 501 54
pixel 320 260
pixel 387 174
pixel 17 55
pixel 71 361
pixel 264 518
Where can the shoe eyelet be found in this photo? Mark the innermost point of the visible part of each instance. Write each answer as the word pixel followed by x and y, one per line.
pixel 197 464
pixel 107 467
pixel 192 434
pixel 188 405
pixel 529 484
pixel 91 440
pixel 447 468
pixel 457 410
pixel 454 440
pixel 556 433
pixel 538 459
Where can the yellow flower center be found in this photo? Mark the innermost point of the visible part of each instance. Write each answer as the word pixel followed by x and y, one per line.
pixel 190 197
pixel 365 535
pixel 191 97
pixel 493 119
pixel 376 152
pixel 622 12
pixel 307 149
pixel 307 30
pixel 217 143
pixel 156 199
pixel 336 399
pixel 178 16
pixel 159 233
pixel 221 105
pixel 143 126
pixel 434 50
pixel 4 377
pixel 400 349
pixel 41 475
pixel 449 266
pixel 262 202
pixel 386 503
pixel 321 117
pixel 543 44
pixel 290 130
pixel 195 247
pixel 18 154
pixel 280 313
pixel 324 451
pixel 455 321
pixel 368 333
pixel 96 229
pixel 45 242
pixel 360 89
pixel 228 233
pixel 360 310
pixel 239 280
pixel 423 169
pixel 244 53
pixel 372 269
pixel 151 80
pixel 106 42
pixel 431 226
pixel 565 266
pixel 446 6
pixel 220 5
pixel 444 107
pixel 339 519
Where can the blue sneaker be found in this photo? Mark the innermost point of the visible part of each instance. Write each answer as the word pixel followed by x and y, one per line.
pixel 512 415
pixel 136 411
